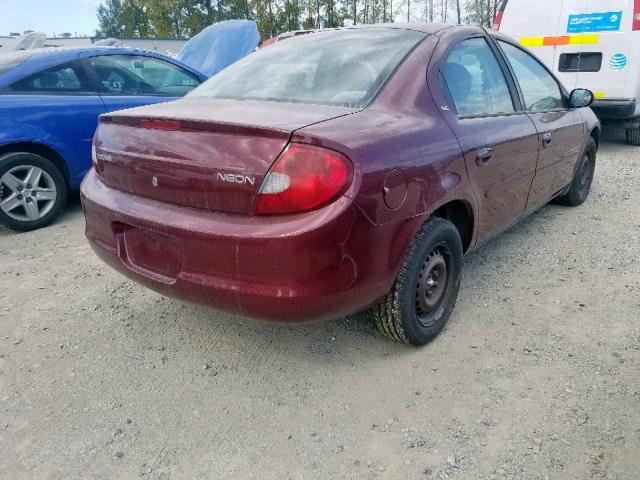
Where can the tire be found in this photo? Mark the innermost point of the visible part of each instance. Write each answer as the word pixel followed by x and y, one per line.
pixel 633 136
pixel 583 177
pixel 33 191
pixel 416 309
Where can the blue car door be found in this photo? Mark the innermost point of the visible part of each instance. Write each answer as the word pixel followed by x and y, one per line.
pixel 127 81
pixel 57 107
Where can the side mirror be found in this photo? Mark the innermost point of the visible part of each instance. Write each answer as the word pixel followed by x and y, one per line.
pixel 580 98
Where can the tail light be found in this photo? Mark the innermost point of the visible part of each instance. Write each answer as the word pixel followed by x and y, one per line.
pixel 500 14
pixel 97 164
pixel 303 178
pixel 636 15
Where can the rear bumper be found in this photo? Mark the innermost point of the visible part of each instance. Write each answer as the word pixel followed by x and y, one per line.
pixel 287 269
pixel 615 109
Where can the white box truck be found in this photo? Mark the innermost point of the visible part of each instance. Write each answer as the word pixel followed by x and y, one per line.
pixel 591 44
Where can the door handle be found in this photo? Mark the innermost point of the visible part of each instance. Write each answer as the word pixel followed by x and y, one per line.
pixel 483 156
pixel 546 139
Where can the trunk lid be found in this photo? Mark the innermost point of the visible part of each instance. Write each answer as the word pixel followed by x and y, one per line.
pixel 210 154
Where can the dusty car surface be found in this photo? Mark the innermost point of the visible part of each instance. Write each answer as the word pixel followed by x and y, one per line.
pixel 339 172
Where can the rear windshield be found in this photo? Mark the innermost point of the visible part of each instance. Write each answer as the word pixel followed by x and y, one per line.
pixel 344 67
pixel 12 60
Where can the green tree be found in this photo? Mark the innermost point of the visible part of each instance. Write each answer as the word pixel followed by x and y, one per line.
pixel 481 12
pixel 124 18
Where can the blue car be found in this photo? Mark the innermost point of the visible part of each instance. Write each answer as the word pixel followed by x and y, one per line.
pixel 50 101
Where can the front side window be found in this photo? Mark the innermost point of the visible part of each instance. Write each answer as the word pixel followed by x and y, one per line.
pixel 475 80
pixel 68 78
pixel 540 90
pixel 138 75
pixel 345 67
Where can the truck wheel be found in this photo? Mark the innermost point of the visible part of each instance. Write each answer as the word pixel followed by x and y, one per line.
pixel 633 136
pixel 582 179
pixel 32 191
pixel 425 291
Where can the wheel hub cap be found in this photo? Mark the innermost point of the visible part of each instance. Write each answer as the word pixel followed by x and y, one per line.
pixel 431 285
pixel 27 193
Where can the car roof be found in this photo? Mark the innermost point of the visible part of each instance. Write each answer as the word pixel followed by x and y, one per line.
pixel 36 59
pixel 428 28
pixel 62 53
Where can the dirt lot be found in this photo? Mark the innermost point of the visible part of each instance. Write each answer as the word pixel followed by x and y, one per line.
pixel 537 375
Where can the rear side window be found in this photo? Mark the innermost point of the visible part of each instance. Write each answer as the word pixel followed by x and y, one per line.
pixel 68 78
pixel 580 62
pixel 139 75
pixel 475 81
pixel 540 90
pixel 345 67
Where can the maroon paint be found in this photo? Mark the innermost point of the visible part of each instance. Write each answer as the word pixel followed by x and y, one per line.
pixel 216 137
pixel 196 238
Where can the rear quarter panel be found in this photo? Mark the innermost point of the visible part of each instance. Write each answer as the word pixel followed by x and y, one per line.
pixel 65 124
pixel 402 131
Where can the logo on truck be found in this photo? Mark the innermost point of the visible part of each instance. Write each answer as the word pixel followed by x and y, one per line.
pixel 618 61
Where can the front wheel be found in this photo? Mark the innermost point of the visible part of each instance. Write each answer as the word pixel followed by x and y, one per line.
pixel 582 179
pixel 32 191
pixel 426 288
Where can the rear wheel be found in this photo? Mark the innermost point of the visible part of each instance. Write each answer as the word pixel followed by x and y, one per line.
pixel 32 191
pixel 425 291
pixel 582 179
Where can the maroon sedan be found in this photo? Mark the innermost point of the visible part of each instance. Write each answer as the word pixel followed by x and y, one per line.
pixel 339 172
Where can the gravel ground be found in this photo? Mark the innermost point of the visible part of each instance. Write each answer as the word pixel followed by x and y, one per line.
pixel 537 375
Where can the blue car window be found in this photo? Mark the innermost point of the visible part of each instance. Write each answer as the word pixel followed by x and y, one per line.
pixel 139 75
pixel 68 78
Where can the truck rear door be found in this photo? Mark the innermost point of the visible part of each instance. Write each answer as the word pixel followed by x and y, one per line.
pixel 606 29
pixel 534 27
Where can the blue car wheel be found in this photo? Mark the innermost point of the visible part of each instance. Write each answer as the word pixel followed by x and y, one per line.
pixel 32 191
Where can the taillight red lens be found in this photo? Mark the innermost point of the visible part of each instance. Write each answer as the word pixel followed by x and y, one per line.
pixel 636 15
pixel 303 178
pixel 97 164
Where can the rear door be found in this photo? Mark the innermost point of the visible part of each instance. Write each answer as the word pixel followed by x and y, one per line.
pixel 58 106
pixel 499 142
pixel 127 81
pixel 609 24
pixel 560 128
pixel 569 43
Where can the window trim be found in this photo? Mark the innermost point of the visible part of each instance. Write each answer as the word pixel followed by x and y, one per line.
pixel 89 92
pixel 97 84
pixel 514 92
pixel 563 92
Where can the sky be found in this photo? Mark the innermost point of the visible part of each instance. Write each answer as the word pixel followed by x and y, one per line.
pixel 49 16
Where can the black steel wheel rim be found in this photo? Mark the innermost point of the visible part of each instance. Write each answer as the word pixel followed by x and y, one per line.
pixel 585 175
pixel 433 284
